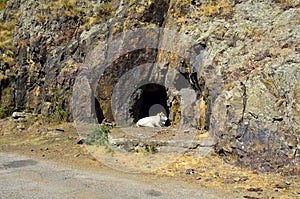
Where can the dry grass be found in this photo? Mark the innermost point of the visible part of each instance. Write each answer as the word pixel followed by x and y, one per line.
pixel 209 171
pixel 102 13
pixel 72 8
pixel 90 22
pixel 214 8
pixel 41 18
pixel 2 4
pixel 213 172
pixel 68 8
pixel 6 47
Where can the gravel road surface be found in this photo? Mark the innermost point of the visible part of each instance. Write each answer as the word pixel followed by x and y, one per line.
pixel 23 177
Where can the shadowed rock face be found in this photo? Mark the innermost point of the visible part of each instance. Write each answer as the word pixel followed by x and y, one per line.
pixel 244 88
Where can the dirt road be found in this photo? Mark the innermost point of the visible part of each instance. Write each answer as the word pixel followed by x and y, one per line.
pixel 23 177
pixel 51 164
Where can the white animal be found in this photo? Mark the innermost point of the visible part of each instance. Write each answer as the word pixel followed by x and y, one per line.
pixel 158 120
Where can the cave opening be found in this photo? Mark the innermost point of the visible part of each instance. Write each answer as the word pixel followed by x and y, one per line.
pixel 99 112
pixel 148 100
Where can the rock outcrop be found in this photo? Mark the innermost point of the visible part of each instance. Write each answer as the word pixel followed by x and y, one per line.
pixel 228 67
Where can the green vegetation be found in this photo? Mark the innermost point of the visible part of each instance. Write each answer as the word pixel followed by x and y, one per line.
pixel 72 8
pixel 58 7
pixel 150 148
pixel 99 136
pixel 103 12
pixel 6 47
pixel 6 111
pixel 145 148
pixel 60 114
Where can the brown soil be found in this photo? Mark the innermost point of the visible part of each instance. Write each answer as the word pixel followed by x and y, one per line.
pixel 59 143
pixel 152 133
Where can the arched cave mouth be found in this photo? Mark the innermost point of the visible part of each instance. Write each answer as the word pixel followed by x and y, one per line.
pixel 148 100
pixel 98 110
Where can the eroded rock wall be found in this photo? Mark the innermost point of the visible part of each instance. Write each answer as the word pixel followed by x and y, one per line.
pixel 247 81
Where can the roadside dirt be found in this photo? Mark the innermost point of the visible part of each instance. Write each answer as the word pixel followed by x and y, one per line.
pixel 59 143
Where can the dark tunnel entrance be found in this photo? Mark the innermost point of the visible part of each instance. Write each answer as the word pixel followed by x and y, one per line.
pixel 98 110
pixel 148 100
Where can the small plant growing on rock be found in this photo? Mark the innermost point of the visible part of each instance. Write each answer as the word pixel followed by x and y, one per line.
pixel 103 12
pixel 61 113
pixel 99 136
pixel 150 148
pixel 146 148
pixel 6 46
pixel 5 111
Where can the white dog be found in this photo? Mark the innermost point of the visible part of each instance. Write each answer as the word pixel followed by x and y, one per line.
pixel 158 120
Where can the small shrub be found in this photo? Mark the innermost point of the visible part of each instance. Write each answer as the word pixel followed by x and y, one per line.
pixel 150 148
pixel 105 11
pixel 6 111
pixel 6 47
pixel 89 22
pixel 99 136
pixel 146 148
pixel 60 113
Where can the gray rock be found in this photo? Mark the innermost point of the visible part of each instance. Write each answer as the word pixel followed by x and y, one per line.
pixel 234 72
pixel 17 115
pixel 22 116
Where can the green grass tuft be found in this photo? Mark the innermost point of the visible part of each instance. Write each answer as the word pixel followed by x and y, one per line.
pixel 99 136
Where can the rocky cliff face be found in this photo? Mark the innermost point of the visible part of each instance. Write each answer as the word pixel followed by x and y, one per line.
pixel 229 67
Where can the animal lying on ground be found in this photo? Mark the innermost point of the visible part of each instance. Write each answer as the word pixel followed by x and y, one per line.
pixel 158 120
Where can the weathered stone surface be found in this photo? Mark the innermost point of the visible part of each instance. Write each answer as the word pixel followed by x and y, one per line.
pixel 164 140
pixel 237 61
pixel 17 115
